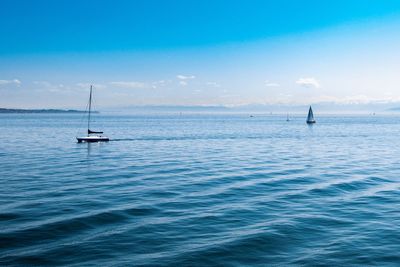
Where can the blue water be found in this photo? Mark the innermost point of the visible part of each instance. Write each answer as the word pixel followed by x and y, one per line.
pixel 200 190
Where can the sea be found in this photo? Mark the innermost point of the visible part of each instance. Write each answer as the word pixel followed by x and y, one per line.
pixel 200 190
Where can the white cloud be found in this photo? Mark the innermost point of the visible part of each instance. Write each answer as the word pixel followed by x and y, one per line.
pixel 87 85
pixel 213 84
pixel 271 84
pixel 346 100
pixel 363 99
pixel 308 82
pixel 229 96
pixel 140 85
pixel 183 77
pixel 160 83
pixel 15 81
pixel 49 87
pixel 42 83
pixel 133 85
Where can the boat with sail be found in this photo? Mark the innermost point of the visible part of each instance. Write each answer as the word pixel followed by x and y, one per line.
pixel 310 117
pixel 92 136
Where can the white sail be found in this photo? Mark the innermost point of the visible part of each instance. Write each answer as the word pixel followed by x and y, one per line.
pixel 310 117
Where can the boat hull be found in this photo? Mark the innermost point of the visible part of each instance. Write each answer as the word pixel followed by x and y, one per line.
pixel 92 139
pixel 310 122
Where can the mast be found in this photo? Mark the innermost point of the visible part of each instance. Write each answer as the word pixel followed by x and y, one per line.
pixel 90 108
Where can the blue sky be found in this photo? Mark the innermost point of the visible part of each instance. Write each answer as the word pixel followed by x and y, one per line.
pixel 198 52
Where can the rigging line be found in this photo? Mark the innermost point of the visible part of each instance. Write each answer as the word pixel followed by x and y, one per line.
pixel 94 113
pixel 81 122
pixel 90 107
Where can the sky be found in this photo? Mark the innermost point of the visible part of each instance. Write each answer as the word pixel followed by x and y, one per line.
pixel 198 53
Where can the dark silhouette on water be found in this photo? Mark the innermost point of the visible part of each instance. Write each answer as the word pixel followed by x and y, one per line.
pixel 92 135
pixel 310 117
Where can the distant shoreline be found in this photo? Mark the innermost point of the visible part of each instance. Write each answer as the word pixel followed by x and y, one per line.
pixel 15 110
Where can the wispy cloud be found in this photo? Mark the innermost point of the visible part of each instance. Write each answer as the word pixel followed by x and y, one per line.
pixel 183 77
pixel 213 84
pixel 50 87
pixel 271 84
pixel 183 80
pixel 15 81
pixel 95 85
pixel 131 84
pixel 160 83
pixel 42 83
pixel 140 85
pixel 308 82
pixel 363 99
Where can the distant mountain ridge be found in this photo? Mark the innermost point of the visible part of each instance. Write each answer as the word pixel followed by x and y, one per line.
pixel 320 107
pixel 16 110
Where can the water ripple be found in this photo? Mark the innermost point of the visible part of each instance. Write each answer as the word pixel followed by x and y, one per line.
pixel 205 190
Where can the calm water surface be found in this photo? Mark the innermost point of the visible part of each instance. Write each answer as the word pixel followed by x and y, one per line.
pixel 199 190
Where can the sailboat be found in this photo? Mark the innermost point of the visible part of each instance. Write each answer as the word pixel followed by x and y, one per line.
pixel 287 117
pixel 310 117
pixel 92 136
